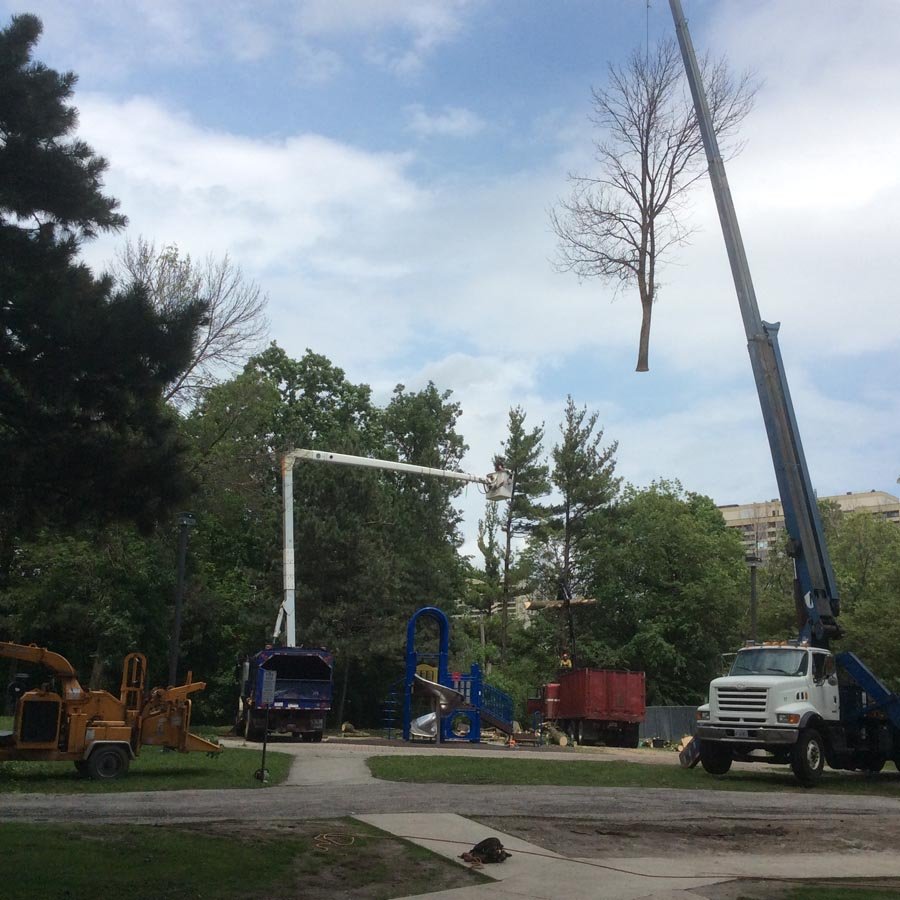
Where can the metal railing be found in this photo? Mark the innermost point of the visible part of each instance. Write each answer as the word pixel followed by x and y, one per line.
pixel 496 703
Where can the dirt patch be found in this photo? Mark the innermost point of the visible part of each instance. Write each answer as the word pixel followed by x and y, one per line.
pixel 347 858
pixel 591 839
pixel 772 890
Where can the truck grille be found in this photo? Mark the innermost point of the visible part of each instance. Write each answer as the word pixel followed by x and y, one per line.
pixel 747 705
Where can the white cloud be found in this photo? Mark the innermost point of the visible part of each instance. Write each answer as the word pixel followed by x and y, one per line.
pixel 423 26
pixel 452 121
pixel 112 38
pixel 267 201
pixel 109 40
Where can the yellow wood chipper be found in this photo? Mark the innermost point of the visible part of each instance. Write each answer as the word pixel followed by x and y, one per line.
pixel 59 720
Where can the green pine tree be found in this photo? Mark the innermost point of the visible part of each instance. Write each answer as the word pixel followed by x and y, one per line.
pixel 84 435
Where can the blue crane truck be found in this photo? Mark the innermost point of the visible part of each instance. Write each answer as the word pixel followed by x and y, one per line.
pixel 298 702
pixel 793 701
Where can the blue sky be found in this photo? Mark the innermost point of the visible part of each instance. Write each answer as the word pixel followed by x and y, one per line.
pixel 383 169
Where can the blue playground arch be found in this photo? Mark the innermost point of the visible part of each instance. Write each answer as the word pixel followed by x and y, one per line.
pixel 481 700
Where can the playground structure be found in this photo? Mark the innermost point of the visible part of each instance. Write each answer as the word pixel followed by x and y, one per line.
pixel 458 699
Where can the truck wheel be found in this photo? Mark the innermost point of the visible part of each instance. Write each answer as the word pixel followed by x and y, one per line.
pixel 808 757
pixel 634 737
pixel 107 763
pixel 715 757
pixel 874 764
pixel 317 737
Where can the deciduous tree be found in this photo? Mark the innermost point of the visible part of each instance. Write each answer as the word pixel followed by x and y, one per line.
pixel 234 325
pixel 619 223
pixel 671 590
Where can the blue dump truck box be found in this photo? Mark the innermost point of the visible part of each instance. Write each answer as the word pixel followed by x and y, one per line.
pixel 304 684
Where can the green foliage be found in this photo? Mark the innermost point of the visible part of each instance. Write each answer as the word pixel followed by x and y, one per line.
pixel 490 549
pixel 84 436
pixel 669 581
pixel 371 547
pixel 523 457
pixel 583 475
pixel 45 173
pixel 93 597
pixel 865 553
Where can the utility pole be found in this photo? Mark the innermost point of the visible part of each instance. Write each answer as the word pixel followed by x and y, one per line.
pixel 185 521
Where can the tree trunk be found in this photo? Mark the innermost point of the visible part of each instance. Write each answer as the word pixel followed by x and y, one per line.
pixel 567 583
pixel 342 701
pixel 504 595
pixel 9 705
pixel 643 363
pixel 97 669
pixel 507 555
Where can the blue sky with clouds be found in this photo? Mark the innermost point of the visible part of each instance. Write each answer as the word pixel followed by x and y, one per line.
pixel 383 169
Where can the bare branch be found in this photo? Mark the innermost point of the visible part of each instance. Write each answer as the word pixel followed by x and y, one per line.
pixel 235 325
pixel 619 224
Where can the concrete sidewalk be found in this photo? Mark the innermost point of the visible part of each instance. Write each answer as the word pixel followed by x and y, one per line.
pixel 532 872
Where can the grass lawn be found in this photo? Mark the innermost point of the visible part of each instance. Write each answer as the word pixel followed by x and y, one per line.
pixel 315 860
pixel 153 770
pixel 519 770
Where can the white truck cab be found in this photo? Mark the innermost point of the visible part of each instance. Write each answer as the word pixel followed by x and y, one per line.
pixel 773 694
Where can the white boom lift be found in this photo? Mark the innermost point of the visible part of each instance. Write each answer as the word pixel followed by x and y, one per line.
pixel 497 484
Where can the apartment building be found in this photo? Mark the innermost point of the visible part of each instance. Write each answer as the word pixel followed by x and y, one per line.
pixel 761 524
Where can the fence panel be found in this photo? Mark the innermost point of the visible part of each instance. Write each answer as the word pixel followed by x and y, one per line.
pixel 671 723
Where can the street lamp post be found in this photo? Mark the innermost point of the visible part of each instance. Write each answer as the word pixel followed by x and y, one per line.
pixel 185 521
pixel 753 562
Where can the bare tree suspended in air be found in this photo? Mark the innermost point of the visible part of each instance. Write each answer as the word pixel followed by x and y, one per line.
pixel 619 223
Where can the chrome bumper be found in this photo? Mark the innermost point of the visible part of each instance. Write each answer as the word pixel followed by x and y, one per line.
pixel 748 735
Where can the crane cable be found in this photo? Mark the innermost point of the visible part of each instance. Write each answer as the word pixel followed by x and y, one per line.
pixel 339 840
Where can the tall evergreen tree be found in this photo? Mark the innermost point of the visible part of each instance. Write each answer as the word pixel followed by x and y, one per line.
pixel 523 459
pixel 583 473
pixel 83 432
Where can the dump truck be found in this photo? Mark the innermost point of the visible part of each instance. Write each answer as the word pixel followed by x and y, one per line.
pixel 57 720
pixel 300 686
pixel 597 706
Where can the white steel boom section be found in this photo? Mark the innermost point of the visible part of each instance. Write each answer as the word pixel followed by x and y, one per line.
pixel 498 486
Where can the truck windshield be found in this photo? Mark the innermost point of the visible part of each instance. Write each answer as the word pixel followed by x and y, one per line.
pixel 770 661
